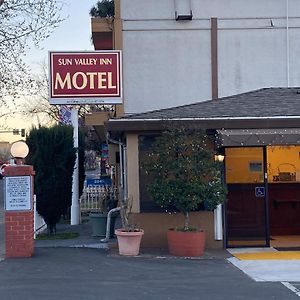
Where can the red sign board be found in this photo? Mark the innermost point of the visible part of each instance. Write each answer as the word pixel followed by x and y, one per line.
pixel 85 77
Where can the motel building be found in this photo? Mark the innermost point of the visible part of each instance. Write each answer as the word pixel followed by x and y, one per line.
pixel 230 68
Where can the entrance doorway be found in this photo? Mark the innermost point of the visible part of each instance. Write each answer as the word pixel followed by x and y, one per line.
pixel 263 206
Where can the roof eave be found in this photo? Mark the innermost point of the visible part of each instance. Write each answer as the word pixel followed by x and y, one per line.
pixel 138 125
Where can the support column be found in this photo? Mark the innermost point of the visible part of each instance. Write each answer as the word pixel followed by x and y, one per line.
pixel 75 208
pixel 19 220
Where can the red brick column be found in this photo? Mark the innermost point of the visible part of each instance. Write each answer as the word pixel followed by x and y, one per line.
pixel 19 225
pixel 19 234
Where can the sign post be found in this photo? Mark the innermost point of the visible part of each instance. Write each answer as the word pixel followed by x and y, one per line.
pixel 19 220
pixel 85 77
pixel 75 207
pixel 79 78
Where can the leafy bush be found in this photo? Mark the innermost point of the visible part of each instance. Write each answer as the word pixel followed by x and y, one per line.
pixel 183 172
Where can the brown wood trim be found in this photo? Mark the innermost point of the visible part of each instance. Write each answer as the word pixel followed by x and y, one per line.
pixel 118 45
pixel 122 126
pixel 214 57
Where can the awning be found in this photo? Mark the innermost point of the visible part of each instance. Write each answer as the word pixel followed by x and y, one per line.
pixel 258 137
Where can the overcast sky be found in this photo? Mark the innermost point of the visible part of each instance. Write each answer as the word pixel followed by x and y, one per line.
pixel 73 34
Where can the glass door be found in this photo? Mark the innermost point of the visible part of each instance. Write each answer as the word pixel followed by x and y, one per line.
pixel 246 215
pixel 284 194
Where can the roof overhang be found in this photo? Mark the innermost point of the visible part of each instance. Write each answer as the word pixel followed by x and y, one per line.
pixel 138 125
pixel 257 137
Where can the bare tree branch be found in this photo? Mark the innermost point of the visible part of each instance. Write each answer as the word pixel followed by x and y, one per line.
pixel 22 23
pixel 35 104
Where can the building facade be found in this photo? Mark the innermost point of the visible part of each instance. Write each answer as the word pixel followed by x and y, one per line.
pixel 182 52
pixel 226 48
pixel 258 133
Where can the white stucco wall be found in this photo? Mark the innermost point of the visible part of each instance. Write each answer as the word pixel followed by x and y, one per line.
pixel 250 60
pixel 167 63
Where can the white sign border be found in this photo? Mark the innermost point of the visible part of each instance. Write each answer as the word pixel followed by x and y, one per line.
pixel 82 100
pixel 28 195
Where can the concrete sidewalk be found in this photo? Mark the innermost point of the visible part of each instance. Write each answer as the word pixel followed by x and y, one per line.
pixel 274 270
pixel 85 238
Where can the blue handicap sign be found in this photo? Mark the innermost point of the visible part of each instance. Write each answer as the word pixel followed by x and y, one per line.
pixel 98 181
pixel 259 191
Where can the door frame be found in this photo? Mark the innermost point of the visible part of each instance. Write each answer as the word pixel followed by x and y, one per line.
pixel 266 201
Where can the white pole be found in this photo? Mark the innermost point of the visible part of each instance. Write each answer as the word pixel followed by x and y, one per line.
pixel 218 223
pixel 75 211
pixel 121 165
pixel 125 172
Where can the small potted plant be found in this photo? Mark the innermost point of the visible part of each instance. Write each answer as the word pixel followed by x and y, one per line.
pixel 129 236
pixel 182 175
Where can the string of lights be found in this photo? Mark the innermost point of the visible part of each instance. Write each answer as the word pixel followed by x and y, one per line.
pixel 255 137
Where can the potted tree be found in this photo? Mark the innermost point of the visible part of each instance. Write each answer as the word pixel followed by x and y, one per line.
pixel 129 236
pixel 183 175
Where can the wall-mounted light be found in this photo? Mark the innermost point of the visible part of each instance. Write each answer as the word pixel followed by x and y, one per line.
pixel 219 157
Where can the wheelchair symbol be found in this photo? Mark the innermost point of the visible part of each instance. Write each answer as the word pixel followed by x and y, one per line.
pixel 259 191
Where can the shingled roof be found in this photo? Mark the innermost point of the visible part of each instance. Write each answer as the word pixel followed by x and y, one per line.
pixel 280 105
pixel 267 102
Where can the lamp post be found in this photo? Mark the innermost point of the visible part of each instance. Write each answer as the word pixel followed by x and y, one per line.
pixel 19 150
pixel 18 198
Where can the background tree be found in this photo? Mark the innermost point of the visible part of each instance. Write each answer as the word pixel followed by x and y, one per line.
pixel 35 106
pixel 103 9
pixel 23 23
pixel 53 156
pixel 5 154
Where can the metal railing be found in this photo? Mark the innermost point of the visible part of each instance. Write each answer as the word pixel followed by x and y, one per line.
pixel 96 198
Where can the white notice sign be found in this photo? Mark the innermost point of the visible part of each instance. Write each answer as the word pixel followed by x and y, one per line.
pixel 17 193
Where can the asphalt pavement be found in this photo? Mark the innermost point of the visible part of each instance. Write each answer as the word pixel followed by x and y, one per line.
pixel 84 268
pixel 82 273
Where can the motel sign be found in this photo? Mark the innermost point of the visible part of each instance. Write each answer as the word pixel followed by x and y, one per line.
pixel 85 77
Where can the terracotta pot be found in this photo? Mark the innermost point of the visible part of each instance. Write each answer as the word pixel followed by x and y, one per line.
pixel 129 242
pixel 186 243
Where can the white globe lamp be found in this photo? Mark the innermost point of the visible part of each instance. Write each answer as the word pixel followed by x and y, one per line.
pixel 19 150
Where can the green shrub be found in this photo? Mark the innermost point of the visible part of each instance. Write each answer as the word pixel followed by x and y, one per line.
pixel 52 154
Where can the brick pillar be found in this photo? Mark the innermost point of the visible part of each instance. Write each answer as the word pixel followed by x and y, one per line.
pixel 19 215
pixel 19 234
